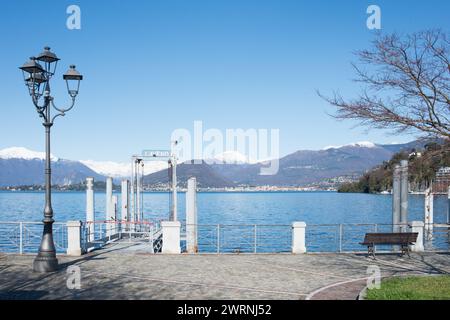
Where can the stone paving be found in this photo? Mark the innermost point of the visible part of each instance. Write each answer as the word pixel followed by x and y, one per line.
pixel 119 271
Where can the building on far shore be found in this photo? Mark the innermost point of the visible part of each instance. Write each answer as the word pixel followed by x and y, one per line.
pixel 442 181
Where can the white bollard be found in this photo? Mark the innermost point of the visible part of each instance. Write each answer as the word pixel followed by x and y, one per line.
pixel 298 237
pixel 429 214
pixel 417 226
pixel 125 202
pixel 74 238
pixel 114 223
pixel 171 236
pixel 108 206
pixel 90 208
pixel 429 200
pixel 173 210
pixel 396 200
pixel 404 190
pixel 191 216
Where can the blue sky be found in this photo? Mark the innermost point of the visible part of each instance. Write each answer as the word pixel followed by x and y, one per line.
pixel 154 66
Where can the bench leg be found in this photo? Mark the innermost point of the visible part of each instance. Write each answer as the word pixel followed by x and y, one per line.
pixel 405 249
pixel 370 251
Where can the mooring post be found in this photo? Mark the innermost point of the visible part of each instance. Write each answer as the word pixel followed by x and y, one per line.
pixel 298 237
pixel 429 214
pixel 171 236
pixel 133 197
pixel 90 211
pixel 74 238
pixel 125 201
pixel 396 200
pixel 125 204
pixel 191 216
pixel 174 189
pixel 404 195
pixel 108 206
pixel 417 226
pixel 138 194
pixel 114 223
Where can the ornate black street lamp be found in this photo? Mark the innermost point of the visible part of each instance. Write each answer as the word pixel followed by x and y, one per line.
pixel 37 73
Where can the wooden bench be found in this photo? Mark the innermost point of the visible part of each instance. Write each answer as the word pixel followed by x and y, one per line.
pixel 403 239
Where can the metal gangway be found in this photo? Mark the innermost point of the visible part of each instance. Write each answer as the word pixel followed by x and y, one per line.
pixel 97 234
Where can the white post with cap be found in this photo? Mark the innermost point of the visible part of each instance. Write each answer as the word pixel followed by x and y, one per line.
pixel 74 238
pixel 299 237
pixel 417 226
pixel 171 237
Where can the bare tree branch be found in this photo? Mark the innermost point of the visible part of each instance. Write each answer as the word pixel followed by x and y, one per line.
pixel 405 85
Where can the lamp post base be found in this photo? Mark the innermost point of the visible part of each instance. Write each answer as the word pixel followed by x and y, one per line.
pixel 45 264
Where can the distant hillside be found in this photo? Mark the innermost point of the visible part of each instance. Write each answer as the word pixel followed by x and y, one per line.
pixel 309 166
pixel 206 176
pixel 423 164
pixel 22 167
pixel 14 172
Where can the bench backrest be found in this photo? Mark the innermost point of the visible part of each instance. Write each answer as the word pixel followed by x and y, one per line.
pixel 390 238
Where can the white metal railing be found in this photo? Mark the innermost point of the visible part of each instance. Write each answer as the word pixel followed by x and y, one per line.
pixel 347 237
pixel 436 237
pixel 243 238
pixel 246 238
pixel 25 236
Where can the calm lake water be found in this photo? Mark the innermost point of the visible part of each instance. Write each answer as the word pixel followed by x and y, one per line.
pixel 231 208
pixel 282 208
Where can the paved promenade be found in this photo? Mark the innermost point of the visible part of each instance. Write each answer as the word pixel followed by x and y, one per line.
pixel 122 271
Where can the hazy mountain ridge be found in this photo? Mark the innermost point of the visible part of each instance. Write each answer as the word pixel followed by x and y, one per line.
pixel 15 172
pixel 20 166
pixel 304 167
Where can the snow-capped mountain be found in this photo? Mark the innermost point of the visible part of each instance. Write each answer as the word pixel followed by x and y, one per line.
pixel 231 157
pixel 362 144
pixel 20 166
pixel 109 168
pixel 24 153
pixel 121 169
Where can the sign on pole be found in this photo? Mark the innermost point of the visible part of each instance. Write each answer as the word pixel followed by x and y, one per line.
pixel 156 153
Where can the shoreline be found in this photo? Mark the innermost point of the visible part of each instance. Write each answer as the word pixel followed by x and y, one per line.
pixel 179 191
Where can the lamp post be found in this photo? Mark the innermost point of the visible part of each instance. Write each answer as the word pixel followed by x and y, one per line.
pixel 37 78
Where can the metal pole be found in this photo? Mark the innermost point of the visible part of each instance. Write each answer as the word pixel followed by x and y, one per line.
pixel 142 192
pixel 396 199
pixel 109 206
pixel 340 237
pixel 174 188
pixel 133 205
pixel 46 260
pixel 125 202
pixel 404 195
pixel 138 191
pixel 429 213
